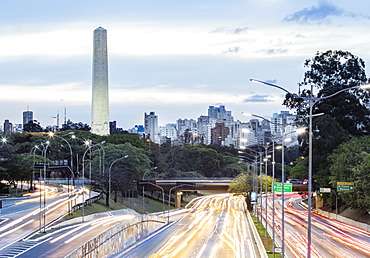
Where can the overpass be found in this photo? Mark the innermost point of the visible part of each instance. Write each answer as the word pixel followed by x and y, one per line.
pixel 174 185
pixel 187 184
pixel 199 184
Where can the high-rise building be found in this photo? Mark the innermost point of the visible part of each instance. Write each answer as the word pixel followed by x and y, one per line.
pixel 8 127
pixel 219 134
pixel 27 116
pixel 288 120
pixel 221 114
pixel 151 127
pixel 100 91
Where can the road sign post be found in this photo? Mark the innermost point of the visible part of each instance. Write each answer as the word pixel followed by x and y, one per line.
pixel 345 186
pixel 325 190
pixel 278 187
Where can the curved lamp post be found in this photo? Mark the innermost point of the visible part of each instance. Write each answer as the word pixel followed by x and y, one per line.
pixel 311 100
pixel 51 134
pixel 88 143
pixel 283 134
pixel 83 178
pixel 109 176
pixel 169 199
pixel 149 170
pixel 44 151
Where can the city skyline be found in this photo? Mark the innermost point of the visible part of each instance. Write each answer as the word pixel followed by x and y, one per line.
pixel 175 59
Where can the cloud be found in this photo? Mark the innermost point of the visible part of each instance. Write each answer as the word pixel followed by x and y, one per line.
pixel 257 98
pixel 315 13
pixel 232 50
pixel 271 51
pixel 225 30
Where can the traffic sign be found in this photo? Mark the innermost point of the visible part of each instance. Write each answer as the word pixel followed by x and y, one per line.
pixel 325 190
pixel 345 186
pixel 287 187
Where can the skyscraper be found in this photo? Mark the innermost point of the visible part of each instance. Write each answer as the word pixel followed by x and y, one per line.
pixel 151 127
pixel 100 91
pixel 27 116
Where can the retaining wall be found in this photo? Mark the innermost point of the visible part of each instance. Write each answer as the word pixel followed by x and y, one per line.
pixel 348 221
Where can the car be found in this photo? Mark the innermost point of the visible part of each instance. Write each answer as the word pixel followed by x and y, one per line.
pixel 305 181
pixel 294 181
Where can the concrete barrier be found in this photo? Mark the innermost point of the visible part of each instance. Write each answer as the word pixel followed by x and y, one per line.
pixel 348 221
pixel 257 239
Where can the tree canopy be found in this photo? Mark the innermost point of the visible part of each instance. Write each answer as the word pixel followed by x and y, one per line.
pixel 203 160
pixel 329 72
pixel 350 162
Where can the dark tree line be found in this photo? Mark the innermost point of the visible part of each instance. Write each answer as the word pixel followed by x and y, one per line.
pixel 346 116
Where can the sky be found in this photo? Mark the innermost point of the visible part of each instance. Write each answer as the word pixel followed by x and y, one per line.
pixel 175 58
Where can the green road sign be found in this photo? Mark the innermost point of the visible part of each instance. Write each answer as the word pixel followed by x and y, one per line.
pixel 345 186
pixel 278 187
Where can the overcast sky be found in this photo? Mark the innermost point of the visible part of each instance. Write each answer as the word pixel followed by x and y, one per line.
pixel 175 58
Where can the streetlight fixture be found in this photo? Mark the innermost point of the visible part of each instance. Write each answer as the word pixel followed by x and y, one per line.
pixel 87 143
pixel 51 134
pixel 311 100
pixel 109 176
pixel 44 151
pixel 169 199
pixel 83 178
pixel 149 170
pixel 282 127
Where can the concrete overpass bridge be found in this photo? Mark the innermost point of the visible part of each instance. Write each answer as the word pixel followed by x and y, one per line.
pixel 174 185
pixel 187 184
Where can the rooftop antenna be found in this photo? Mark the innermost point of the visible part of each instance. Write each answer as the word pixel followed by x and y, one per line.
pixel 58 120
pixel 65 115
pixel 54 124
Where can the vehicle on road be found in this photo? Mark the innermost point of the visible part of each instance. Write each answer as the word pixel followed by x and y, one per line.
pixel 294 181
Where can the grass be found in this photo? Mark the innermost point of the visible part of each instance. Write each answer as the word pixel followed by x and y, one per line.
pixel 266 240
pixel 17 192
pixel 96 207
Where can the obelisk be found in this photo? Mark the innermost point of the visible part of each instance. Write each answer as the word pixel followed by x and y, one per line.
pixel 100 90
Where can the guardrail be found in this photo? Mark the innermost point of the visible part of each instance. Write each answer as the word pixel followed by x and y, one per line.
pixel 87 202
pixel 119 237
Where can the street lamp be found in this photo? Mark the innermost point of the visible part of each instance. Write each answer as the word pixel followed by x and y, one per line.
pixel 44 150
pixel 311 100
pixel 109 176
pixel 283 182
pixel 88 143
pixel 83 178
pixel 153 168
pixel 36 147
pixel 169 199
pixel 51 134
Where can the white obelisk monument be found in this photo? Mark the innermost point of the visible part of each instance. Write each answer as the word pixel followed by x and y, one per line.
pixel 100 90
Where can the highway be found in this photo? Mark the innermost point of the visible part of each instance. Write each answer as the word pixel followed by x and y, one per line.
pixel 212 226
pixel 62 241
pixel 330 238
pixel 24 216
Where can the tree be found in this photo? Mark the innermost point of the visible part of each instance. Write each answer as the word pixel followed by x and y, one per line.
pixel 69 125
pixel 32 126
pixel 330 72
pixel 300 168
pixel 350 162
pixel 346 114
pixel 242 184
pixel 125 172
